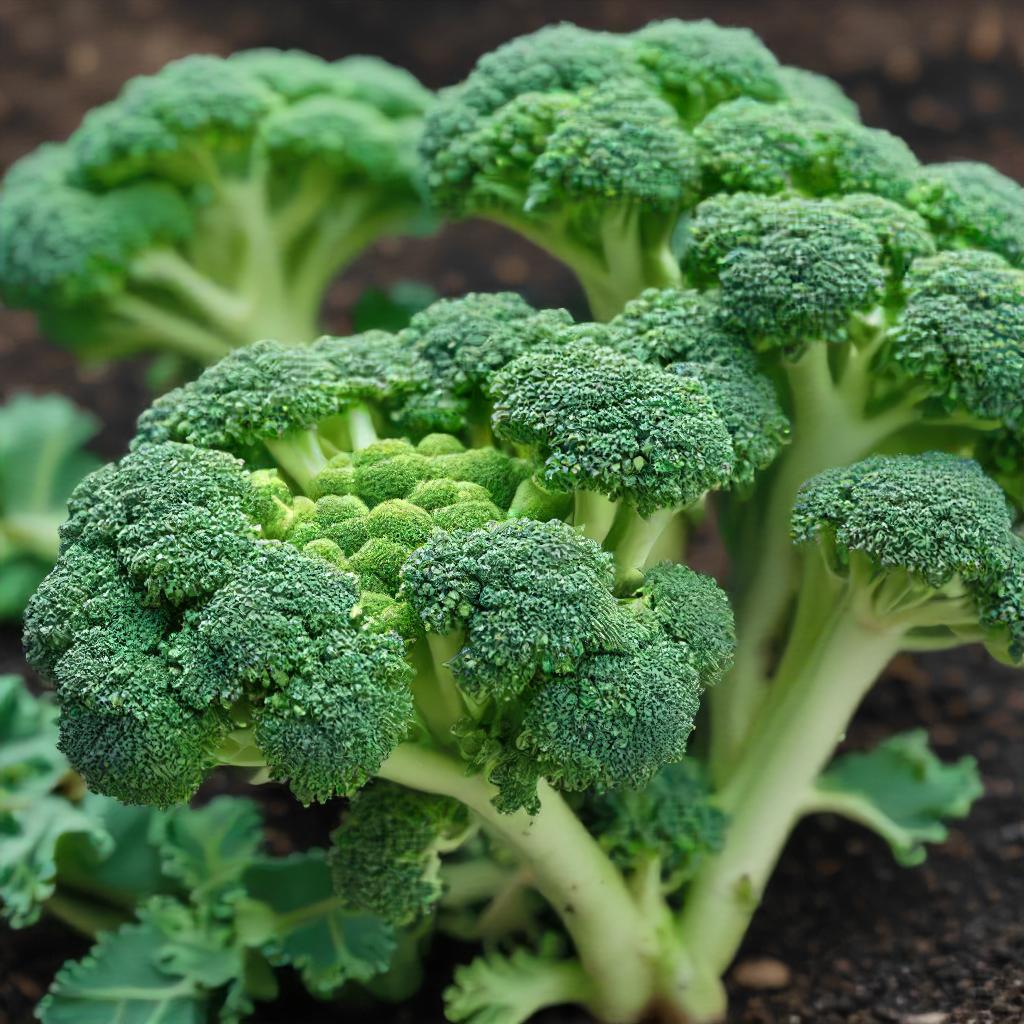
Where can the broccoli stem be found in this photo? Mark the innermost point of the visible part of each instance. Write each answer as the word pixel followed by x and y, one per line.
pixel 35 533
pixel 594 514
pixel 361 430
pixel 617 946
pixel 632 551
pixel 162 329
pixel 84 913
pixel 832 659
pixel 468 883
pixel 299 454
pixel 766 590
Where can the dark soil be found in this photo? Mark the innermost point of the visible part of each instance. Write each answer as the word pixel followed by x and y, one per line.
pixel 862 940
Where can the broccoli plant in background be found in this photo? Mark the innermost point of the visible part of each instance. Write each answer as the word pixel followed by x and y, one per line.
pixel 211 204
pixel 41 461
pixel 189 916
pixel 440 572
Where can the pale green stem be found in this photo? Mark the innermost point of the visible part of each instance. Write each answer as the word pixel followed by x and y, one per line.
pixel 632 551
pixel 468 883
pixel 790 743
pixel 33 533
pixel 361 430
pixel 84 914
pixel 163 329
pixel 616 946
pixel 299 454
pixel 168 269
pixel 594 513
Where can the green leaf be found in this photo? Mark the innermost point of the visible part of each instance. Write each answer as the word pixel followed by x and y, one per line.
pixel 121 980
pixel 496 989
pixel 311 930
pixel 41 461
pixel 34 821
pixel 902 791
pixel 208 849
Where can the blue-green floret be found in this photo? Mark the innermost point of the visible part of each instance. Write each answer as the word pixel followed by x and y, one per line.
pixel 790 271
pixel 972 204
pixel 386 855
pixel 747 146
pixel 961 335
pixel 618 718
pixel 530 597
pixel 602 421
pixel 694 611
pixel 211 203
pixel 926 542
pixel 670 825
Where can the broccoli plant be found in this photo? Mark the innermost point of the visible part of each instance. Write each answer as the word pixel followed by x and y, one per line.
pixel 440 572
pixel 41 461
pixel 211 204
pixel 189 916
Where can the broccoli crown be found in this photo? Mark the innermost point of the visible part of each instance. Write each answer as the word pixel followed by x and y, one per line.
pixel 168 207
pixel 693 610
pixel 572 685
pixel 972 204
pixel 62 246
pixel 935 518
pixel 563 126
pixel 385 855
pixel 671 820
pixel 747 146
pixel 962 334
pixel 606 422
pixel 789 270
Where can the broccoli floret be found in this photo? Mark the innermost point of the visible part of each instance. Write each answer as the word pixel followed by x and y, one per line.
pixel 385 857
pixel 210 204
pixel 972 204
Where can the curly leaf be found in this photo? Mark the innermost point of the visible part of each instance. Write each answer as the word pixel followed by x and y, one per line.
pixel 307 927
pixel 902 791
pixel 33 821
pixel 496 989
pixel 121 979
pixel 209 848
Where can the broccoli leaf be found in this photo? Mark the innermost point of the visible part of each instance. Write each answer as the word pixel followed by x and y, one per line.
pixel 32 819
pixel 307 926
pixel 41 461
pixel 208 849
pixel 902 791
pixel 121 979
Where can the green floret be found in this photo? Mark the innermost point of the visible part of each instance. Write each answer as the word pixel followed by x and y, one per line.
pixel 41 461
pixel 337 721
pixel 671 823
pixel 748 404
pixel 769 148
pixel 694 611
pixel 210 204
pixel 617 719
pixel 385 857
pixel 806 88
pixel 962 334
pixel 605 422
pixel 790 271
pixel 698 64
pixel 266 624
pixel 972 204
pixel 530 596
pixel 936 516
pixel 902 233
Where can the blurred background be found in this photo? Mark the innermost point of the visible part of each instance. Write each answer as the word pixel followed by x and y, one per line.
pixel 856 941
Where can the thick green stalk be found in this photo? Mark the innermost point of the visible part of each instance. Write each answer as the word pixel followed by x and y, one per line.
pixel 633 548
pixel 84 913
pixel 299 454
pixel 831 662
pixel 827 431
pixel 594 514
pixel 163 329
pixel 35 533
pixel 617 946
